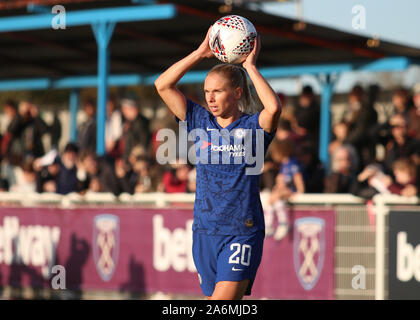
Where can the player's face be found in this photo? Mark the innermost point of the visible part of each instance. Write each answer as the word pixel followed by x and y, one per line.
pixel 221 98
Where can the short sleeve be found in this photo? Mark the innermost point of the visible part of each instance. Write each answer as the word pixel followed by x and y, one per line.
pixel 268 137
pixel 295 169
pixel 194 115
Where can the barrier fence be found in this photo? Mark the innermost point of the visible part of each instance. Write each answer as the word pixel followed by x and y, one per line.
pixel 322 246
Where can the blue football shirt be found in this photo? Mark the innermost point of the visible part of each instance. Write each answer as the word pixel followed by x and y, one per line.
pixel 227 198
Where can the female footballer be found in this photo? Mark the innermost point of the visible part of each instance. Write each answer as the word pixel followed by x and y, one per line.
pixel 228 228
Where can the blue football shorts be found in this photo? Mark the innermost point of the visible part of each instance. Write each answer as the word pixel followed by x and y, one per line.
pixel 226 258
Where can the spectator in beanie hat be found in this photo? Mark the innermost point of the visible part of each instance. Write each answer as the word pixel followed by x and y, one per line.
pixel 136 126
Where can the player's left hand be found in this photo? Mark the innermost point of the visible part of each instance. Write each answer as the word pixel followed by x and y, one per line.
pixel 251 59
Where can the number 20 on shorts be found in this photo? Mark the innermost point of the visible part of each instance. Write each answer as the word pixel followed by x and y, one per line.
pixel 240 252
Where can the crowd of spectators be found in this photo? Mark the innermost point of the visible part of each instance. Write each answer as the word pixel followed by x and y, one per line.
pixel 356 166
pixel 292 165
pixel 128 166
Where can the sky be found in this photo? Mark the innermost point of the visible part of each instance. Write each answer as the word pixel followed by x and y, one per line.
pixel 394 20
pixel 391 20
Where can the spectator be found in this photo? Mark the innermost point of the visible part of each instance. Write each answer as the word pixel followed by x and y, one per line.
pixel 113 128
pixel 405 178
pixel 285 132
pixel 34 127
pixel 95 185
pixel 414 114
pixel 307 115
pixel 370 181
pixel 28 182
pixel 401 145
pixel 313 168
pixel 360 117
pixel 11 146
pixel 86 132
pixel 137 152
pixel 340 131
pixel 99 175
pixel 176 178
pixel 125 176
pixel 67 181
pixel 54 131
pixel 136 126
pixel 400 103
pixel 382 133
pixel 47 175
pixel 143 177
pixel 343 165
pixel 24 132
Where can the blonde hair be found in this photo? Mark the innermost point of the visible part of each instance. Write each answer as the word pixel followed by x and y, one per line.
pixel 238 78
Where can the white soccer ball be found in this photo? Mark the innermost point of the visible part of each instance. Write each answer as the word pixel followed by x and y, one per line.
pixel 232 38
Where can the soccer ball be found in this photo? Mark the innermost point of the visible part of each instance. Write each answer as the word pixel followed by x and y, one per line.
pixel 232 38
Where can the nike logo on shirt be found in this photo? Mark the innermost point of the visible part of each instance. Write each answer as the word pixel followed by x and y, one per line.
pixel 234 269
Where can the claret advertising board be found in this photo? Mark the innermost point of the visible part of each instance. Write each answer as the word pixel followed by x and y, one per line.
pixel 150 250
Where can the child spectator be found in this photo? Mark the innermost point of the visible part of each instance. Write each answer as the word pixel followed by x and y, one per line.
pixel 290 169
pixel 289 181
pixel 404 178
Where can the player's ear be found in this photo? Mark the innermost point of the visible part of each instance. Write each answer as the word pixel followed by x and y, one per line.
pixel 238 93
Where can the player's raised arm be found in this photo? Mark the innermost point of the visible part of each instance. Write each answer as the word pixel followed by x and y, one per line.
pixel 167 81
pixel 272 107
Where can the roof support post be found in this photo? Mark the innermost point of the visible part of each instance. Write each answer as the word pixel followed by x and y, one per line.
pixel 103 32
pixel 74 106
pixel 327 85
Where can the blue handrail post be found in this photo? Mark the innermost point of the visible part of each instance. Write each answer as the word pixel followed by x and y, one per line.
pixel 327 85
pixel 103 32
pixel 74 106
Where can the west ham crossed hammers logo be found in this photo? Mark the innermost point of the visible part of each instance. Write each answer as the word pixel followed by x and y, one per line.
pixel 105 244
pixel 309 250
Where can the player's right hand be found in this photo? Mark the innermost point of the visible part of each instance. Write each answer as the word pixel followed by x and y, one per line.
pixel 204 49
